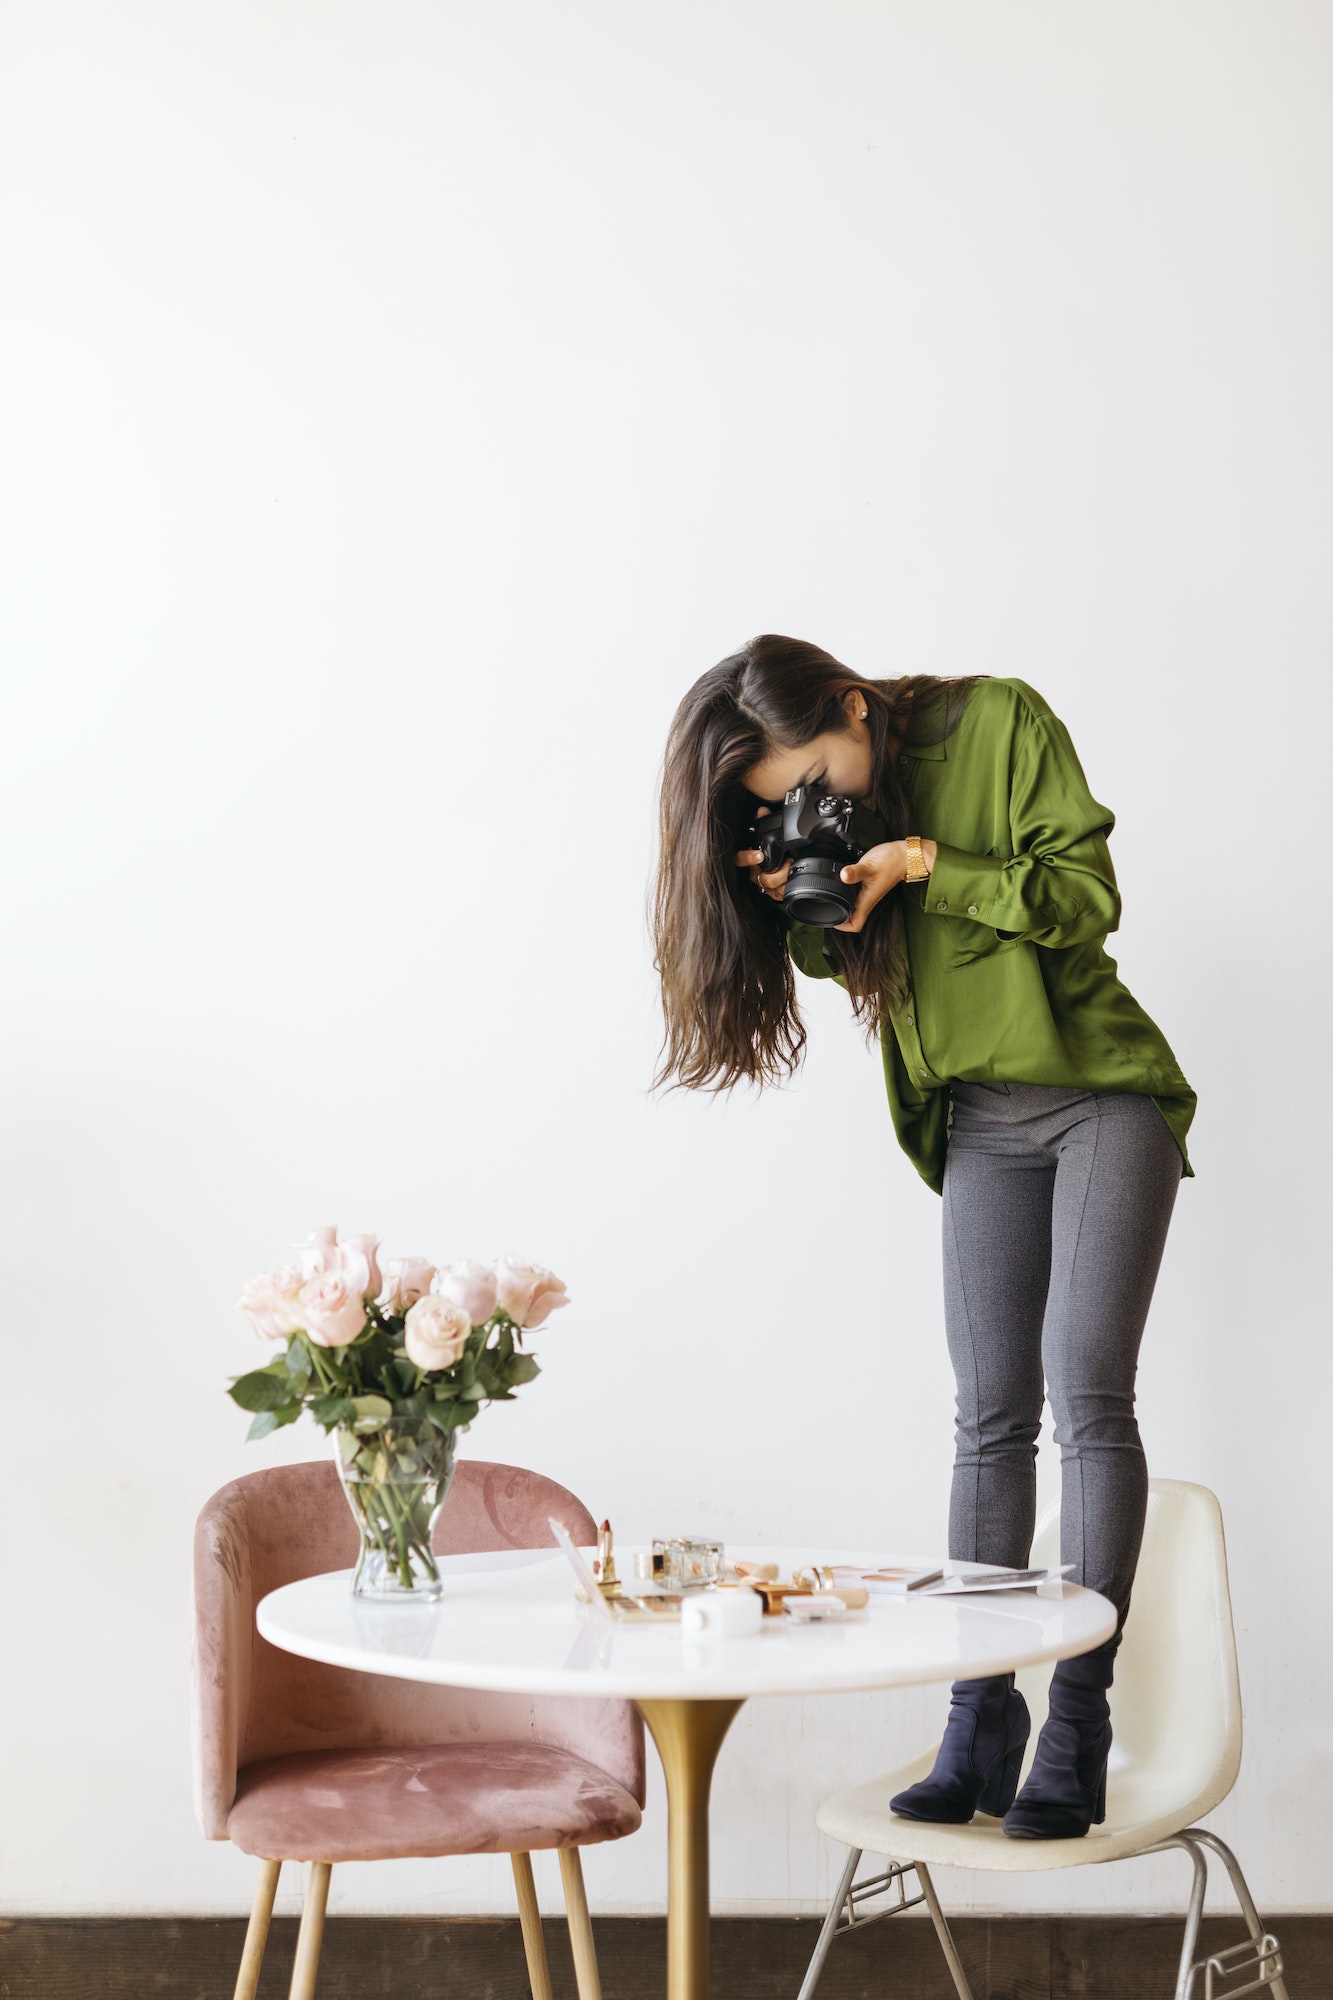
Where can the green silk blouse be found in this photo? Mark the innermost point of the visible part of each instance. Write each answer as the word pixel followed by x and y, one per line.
pixel 1010 980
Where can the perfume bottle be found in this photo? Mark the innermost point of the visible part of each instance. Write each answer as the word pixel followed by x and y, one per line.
pixel 688 1562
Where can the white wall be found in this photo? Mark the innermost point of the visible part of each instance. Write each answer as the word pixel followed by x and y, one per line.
pixel 403 405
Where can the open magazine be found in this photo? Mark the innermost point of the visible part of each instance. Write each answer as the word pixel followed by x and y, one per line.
pixel 977 1578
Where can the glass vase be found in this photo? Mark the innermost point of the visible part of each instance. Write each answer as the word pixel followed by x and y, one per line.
pixel 396 1478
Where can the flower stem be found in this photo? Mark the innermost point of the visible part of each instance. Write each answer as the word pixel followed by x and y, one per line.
pixel 325 1381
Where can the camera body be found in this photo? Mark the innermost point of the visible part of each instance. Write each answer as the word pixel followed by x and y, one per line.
pixel 819 833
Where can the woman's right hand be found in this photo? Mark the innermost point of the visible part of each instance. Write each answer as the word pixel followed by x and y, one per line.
pixel 772 882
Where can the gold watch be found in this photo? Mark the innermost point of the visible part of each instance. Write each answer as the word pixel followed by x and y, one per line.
pixel 917 870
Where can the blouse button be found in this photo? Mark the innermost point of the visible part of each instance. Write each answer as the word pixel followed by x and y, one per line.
pixel 923 1071
pixel 971 909
pixel 941 905
pixel 911 1020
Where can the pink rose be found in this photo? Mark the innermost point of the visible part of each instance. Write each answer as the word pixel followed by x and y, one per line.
pixel 436 1332
pixel 356 1256
pixel 332 1308
pixel 269 1303
pixel 469 1285
pixel 406 1280
pixel 319 1252
pixel 528 1292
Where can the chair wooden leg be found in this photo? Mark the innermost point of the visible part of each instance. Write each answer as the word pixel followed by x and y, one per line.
pixel 529 1916
pixel 586 1976
pixel 942 1931
pixel 311 1934
pixel 256 1936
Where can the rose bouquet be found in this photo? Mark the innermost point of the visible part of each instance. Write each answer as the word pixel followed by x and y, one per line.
pixel 396 1363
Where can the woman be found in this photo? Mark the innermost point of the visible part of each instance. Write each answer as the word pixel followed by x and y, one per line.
pixel 1026 1085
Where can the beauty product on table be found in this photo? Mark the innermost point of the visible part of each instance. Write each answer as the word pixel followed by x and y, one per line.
pixel 734 1598
pixel 818 1576
pixel 688 1562
pixel 751 1572
pixel 720 1614
pixel 773 1595
pixel 779 1597
pixel 820 1607
pixel 653 1608
pixel 604 1564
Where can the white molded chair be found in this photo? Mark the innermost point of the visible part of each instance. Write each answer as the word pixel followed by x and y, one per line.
pixel 1176 1721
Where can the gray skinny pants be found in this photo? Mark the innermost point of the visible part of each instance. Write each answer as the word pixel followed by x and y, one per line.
pixel 1056 1208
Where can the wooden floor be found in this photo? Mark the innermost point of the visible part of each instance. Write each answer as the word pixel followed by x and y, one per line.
pixel 413 1958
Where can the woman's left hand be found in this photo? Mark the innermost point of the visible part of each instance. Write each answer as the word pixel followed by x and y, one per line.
pixel 880 869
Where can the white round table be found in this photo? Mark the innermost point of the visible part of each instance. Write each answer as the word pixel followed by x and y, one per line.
pixel 510 1622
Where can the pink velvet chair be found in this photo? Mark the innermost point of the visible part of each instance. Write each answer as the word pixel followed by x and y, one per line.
pixel 296 1761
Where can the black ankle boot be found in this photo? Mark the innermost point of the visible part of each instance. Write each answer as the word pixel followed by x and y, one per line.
pixel 1065 1791
pixel 977 1765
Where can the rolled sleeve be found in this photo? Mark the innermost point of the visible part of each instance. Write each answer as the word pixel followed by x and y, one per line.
pixel 984 888
pixel 1059 887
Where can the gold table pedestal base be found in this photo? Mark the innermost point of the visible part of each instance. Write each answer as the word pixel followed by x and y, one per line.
pixel 688 1735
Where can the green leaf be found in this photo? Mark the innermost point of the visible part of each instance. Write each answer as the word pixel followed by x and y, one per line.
pixel 444 1392
pixel 451 1416
pixel 272 1420
pixel 331 1410
pixel 521 1369
pixel 262 1389
pixel 371 1411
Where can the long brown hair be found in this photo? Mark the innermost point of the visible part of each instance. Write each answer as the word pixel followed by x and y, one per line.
pixel 728 987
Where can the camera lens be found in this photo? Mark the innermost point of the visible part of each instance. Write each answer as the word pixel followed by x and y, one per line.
pixel 815 894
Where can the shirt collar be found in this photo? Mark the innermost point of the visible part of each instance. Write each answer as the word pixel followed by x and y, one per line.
pixel 935 752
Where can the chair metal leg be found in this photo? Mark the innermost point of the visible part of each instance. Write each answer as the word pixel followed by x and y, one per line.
pixel 1194 1915
pixel 942 1932
pixel 311 1934
pixel 586 1976
pixel 1268 1964
pixel 256 1936
pixel 529 1917
pixel 1221 1969
pixel 825 1938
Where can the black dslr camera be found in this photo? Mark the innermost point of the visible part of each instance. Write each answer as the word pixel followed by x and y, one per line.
pixel 820 832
